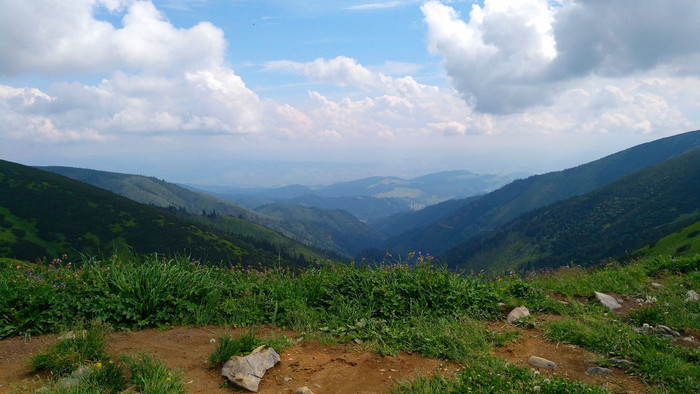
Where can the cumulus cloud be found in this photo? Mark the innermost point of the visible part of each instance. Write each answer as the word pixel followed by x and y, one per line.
pixel 161 79
pixel 65 37
pixel 510 55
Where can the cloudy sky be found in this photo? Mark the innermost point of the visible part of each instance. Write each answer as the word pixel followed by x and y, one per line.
pixel 254 92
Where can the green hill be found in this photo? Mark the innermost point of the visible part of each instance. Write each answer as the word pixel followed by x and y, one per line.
pixel 269 231
pixel 684 242
pixel 334 230
pixel 507 203
pixel 612 221
pixel 151 191
pixel 45 214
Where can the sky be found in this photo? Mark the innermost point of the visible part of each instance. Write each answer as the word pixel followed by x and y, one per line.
pixel 273 92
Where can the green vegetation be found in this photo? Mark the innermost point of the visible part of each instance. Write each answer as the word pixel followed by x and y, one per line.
pixel 409 305
pixel 79 363
pixel 612 221
pixel 684 242
pixel 44 214
pixel 229 346
pixel 501 206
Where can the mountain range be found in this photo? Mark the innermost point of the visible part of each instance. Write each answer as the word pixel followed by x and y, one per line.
pixel 640 200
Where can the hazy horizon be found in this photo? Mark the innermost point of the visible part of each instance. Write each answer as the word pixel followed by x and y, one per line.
pixel 271 93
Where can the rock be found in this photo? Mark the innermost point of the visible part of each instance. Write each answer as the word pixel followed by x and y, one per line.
pixel 607 301
pixel 598 371
pixel 303 390
pixel 688 339
pixel 657 285
pixel 691 295
pixel 540 362
pixel 664 330
pixel 650 300
pixel 619 362
pixel 518 313
pixel 246 372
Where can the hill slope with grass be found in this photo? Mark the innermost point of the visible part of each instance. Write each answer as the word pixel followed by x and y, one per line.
pixel 507 203
pixel 334 230
pixel 684 242
pixel 611 222
pixel 258 227
pixel 45 214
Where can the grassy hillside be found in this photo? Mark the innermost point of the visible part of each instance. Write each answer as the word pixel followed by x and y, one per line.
pixel 401 222
pixel 333 230
pixel 684 242
pixel 258 228
pixel 45 214
pixel 507 203
pixel 610 222
pixel 152 191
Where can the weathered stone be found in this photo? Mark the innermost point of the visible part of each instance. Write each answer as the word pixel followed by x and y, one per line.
pixel 540 362
pixel 691 295
pixel 664 330
pixel 303 390
pixel 657 285
pixel 620 363
pixel 518 313
pixel 650 300
pixel 246 372
pixel 598 370
pixel 608 301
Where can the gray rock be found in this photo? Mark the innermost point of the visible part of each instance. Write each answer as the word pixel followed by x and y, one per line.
pixel 303 390
pixel 518 313
pixel 620 363
pixel 664 330
pixel 607 301
pixel 598 371
pixel 691 295
pixel 246 372
pixel 657 285
pixel 540 362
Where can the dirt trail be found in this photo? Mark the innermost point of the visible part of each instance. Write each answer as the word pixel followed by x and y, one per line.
pixel 344 368
pixel 324 369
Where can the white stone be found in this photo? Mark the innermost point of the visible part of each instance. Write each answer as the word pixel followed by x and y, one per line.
pixel 607 301
pixel 246 372
pixel 692 295
pixel 518 313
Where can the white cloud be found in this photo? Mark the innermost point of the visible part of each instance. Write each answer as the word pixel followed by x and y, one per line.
pixel 374 6
pixel 64 37
pixel 508 56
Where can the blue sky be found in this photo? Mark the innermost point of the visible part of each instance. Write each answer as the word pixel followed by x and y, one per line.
pixel 265 92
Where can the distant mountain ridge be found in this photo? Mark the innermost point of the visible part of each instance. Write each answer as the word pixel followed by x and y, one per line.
pixel 369 198
pixel 609 222
pixel 487 213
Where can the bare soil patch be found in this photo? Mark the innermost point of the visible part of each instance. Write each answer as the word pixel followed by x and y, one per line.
pixel 324 369
pixel 572 361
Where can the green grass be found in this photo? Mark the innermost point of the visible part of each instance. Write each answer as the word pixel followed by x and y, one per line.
pixel 407 306
pixel 228 346
pixel 79 363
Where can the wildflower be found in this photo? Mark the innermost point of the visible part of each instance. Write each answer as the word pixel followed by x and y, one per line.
pixel 98 365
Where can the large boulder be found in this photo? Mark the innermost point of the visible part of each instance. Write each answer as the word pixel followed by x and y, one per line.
pixel 246 372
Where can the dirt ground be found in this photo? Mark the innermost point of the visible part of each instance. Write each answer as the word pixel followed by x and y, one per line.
pixel 572 361
pixel 324 369
pixel 344 368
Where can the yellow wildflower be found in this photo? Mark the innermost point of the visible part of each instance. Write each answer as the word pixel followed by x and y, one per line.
pixel 98 365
